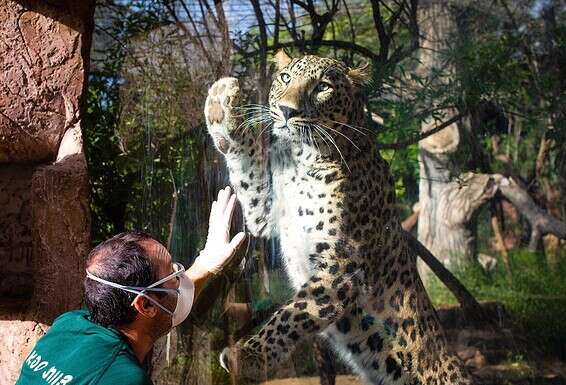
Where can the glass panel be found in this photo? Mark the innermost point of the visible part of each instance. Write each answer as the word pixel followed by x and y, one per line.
pixel 446 156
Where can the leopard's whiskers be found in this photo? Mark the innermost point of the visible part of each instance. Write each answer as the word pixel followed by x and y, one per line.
pixel 355 128
pixel 331 139
pixel 267 128
pixel 340 133
pixel 312 138
pixel 255 114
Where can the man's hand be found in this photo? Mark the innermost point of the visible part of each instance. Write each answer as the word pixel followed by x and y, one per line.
pixel 219 249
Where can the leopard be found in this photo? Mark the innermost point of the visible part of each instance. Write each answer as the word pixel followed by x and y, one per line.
pixel 314 179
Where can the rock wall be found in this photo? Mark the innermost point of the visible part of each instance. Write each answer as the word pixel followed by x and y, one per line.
pixel 15 236
pixel 43 46
pixel 44 216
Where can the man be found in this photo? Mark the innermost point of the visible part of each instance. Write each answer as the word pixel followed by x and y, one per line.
pixel 134 294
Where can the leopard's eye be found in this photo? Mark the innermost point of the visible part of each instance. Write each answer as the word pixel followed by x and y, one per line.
pixel 322 86
pixel 285 77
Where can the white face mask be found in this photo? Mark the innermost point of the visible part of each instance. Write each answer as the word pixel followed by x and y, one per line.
pixel 185 292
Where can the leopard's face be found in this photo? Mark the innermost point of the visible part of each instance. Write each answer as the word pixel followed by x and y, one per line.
pixel 314 97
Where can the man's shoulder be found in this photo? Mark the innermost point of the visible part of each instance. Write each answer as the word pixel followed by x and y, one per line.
pixel 125 370
pixel 71 315
pixel 78 322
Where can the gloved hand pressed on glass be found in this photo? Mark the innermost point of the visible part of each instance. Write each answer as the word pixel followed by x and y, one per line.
pixel 219 249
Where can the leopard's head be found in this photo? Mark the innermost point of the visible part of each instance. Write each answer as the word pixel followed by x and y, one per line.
pixel 315 98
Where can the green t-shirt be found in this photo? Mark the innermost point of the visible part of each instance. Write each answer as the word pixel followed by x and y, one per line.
pixel 76 351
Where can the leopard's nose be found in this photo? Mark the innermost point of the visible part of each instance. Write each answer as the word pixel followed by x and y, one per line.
pixel 289 112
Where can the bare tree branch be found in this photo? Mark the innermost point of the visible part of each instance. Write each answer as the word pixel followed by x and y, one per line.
pixel 399 145
pixel 189 34
pixel 276 24
pixel 351 25
pixel 404 51
pixel 469 305
pixel 542 222
pixel 383 37
pixel 328 43
pixel 262 50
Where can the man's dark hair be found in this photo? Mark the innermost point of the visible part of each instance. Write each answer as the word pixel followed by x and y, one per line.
pixel 120 259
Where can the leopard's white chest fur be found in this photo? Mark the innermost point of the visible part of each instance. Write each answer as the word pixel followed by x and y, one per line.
pixel 297 211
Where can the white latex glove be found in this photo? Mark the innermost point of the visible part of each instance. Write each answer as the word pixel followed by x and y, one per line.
pixel 219 249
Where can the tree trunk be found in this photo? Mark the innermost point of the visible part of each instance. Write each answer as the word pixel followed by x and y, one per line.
pixel 447 225
pixel 448 201
pixel 440 225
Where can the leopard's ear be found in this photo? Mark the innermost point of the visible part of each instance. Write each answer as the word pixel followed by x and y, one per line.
pixel 360 75
pixel 281 59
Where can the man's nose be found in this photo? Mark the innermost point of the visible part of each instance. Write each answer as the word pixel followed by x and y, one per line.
pixel 289 112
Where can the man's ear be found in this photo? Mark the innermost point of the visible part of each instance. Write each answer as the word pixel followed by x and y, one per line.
pixel 360 75
pixel 281 59
pixel 145 307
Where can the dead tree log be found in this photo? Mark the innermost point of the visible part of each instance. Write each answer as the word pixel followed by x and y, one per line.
pixel 541 222
pixel 470 306
pixel 447 225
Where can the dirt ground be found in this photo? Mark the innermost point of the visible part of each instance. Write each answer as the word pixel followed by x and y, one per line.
pixel 553 373
pixel 494 355
pixel 340 380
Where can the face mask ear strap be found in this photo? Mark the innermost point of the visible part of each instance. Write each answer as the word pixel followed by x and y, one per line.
pixel 154 302
pixel 131 289
pixel 112 284
pixel 134 290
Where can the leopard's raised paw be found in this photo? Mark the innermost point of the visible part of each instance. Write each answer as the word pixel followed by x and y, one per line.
pixel 221 120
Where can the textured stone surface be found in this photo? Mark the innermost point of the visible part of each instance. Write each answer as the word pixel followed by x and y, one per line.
pixel 60 236
pixel 60 239
pixel 15 236
pixel 18 338
pixel 44 216
pixel 42 75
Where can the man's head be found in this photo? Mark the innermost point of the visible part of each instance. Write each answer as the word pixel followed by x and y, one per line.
pixel 130 259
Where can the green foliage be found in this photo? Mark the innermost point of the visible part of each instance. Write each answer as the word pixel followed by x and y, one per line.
pixel 535 295
pixel 487 69
pixel 110 173
pixel 143 135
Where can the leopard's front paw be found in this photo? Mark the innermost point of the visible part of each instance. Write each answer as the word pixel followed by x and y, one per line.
pixel 221 119
pixel 245 363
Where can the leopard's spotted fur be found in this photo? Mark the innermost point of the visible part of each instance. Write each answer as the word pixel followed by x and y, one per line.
pixel 333 209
